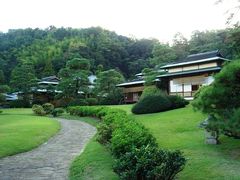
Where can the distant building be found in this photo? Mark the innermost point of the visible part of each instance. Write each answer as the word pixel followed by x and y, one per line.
pixel 46 89
pixel 183 77
pixel 132 90
pixel 186 76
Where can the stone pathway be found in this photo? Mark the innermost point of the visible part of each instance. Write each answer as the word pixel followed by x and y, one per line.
pixel 52 159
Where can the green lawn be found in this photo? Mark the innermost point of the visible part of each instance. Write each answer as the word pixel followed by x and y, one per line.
pixel 95 162
pixel 21 131
pixel 178 129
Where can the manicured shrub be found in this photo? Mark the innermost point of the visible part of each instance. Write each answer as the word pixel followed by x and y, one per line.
pixel 149 162
pixel 48 108
pixel 87 111
pixel 38 110
pixel 135 149
pixel 111 121
pixel 57 112
pixel 91 101
pixel 151 91
pixel 78 102
pixel 0 111
pixel 177 102
pixel 152 104
pixel 130 135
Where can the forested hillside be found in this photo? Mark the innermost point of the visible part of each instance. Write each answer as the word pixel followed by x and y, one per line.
pixel 48 50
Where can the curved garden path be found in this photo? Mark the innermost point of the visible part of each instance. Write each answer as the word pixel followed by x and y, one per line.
pixel 52 159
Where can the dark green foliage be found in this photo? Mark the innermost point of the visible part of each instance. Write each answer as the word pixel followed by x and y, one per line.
pixel 87 111
pixel 130 135
pixel 151 90
pixel 221 101
pixel 149 162
pixel 177 102
pixel 54 47
pixel 48 108
pixel 20 103
pixel 74 78
pixel 152 104
pixel 112 120
pixel 114 98
pixel 78 102
pixel 92 101
pixel 135 149
pixel 23 78
pixel 57 112
pixel 106 89
pixel 3 89
pixel 38 110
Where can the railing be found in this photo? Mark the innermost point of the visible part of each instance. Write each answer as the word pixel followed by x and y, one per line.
pixel 184 94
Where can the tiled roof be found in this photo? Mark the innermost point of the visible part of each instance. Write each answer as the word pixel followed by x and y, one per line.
pixel 196 58
pixel 130 83
pixel 213 69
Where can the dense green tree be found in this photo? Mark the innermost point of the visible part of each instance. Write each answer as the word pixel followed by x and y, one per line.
pixel 56 46
pixel 2 77
pixel 74 78
pixel 180 46
pixel 221 101
pixel 23 79
pixel 3 89
pixel 106 88
pixel 162 54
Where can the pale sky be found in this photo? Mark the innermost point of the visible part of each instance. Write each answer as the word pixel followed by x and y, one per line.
pixel 159 19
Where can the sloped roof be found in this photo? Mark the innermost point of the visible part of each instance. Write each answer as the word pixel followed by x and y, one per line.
pixel 213 69
pixel 131 83
pixel 196 58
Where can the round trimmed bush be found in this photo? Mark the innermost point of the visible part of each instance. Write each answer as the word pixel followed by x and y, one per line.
pixel 48 108
pixel 152 104
pixel 57 112
pixel 38 110
pixel 177 102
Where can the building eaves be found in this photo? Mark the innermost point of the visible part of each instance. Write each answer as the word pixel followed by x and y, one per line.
pixel 190 72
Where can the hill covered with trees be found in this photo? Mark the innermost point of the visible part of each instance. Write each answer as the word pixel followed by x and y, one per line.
pixel 48 50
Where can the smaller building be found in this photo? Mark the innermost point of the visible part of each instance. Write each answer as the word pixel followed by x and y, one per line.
pixel 132 90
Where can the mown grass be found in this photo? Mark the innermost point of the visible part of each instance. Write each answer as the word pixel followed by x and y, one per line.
pixel 95 162
pixel 22 131
pixel 179 129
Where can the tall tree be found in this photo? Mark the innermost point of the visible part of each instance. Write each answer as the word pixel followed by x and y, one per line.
pixel 162 54
pixel 74 78
pixel 180 46
pixel 106 88
pixel 23 79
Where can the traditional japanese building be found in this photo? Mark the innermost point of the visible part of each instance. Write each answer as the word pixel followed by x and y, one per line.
pixel 186 76
pixel 132 90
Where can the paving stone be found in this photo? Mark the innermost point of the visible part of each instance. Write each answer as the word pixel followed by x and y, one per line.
pixel 51 160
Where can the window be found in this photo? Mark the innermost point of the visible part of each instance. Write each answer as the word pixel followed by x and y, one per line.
pixel 195 87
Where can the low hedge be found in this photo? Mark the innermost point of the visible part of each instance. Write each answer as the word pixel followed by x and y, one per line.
pixel 134 148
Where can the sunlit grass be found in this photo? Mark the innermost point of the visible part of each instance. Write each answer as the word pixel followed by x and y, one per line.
pixel 21 131
pixel 179 129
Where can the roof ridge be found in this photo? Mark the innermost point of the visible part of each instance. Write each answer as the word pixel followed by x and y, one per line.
pixel 203 53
